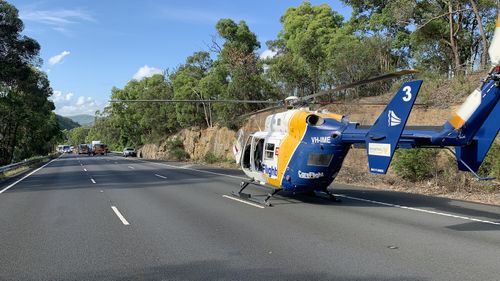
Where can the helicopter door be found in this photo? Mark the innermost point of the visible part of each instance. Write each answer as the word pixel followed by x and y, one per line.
pixel 270 162
pixel 245 163
pixel 258 154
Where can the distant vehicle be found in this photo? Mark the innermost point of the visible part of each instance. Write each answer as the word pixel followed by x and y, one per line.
pixel 83 149
pixel 99 149
pixel 129 151
pixel 60 148
pixel 67 149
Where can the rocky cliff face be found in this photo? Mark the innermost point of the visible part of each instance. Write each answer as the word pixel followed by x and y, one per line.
pixel 197 143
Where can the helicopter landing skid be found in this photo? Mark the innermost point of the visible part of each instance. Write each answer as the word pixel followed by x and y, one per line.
pixel 248 196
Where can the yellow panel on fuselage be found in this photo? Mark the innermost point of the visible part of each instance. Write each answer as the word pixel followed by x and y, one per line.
pixel 296 129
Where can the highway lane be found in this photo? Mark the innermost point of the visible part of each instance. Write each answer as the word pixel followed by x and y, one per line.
pixel 58 224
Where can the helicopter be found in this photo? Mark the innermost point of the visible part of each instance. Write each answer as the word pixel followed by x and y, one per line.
pixel 302 150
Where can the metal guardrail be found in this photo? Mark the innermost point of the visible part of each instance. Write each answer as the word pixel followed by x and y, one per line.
pixel 26 162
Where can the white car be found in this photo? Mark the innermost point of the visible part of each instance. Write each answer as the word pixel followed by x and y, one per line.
pixel 129 151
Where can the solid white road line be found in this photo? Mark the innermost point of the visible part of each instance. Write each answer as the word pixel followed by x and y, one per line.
pixel 418 210
pixel 160 176
pixel 31 173
pixel 243 201
pixel 119 215
pixel 131 167
pixel 93 181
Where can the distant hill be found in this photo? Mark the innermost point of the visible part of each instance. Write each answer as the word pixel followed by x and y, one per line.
pixel 66 123
pixel 83 119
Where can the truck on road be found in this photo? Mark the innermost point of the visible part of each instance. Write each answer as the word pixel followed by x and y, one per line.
pixel 99 148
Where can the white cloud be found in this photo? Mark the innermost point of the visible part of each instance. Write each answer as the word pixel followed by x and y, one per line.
pixel 268 54
pixel 58 58
pixel 68 104
pixel 146 71
pixel 57 17
pixel 57 20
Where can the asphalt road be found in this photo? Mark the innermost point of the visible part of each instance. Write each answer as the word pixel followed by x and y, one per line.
pixel 111 218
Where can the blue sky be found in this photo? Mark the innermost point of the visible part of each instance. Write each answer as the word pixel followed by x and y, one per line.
pixel 90 46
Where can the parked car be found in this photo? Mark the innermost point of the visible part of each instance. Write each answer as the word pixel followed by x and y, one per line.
pixel 83 149
pixel 99 149
pixel 129 151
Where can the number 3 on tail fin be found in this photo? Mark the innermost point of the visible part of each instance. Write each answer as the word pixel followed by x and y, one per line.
pixel 382 138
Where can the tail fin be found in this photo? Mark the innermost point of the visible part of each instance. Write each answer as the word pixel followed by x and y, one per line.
pixel 383 137
pixel 471 156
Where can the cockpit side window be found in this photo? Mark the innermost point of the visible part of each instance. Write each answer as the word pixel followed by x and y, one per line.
pixel 316 159
pixel 269 151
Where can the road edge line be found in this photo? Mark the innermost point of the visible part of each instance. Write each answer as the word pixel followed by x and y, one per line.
pixel 31 173
pixel 418 209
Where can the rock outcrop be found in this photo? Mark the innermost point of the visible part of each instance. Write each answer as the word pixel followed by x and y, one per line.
pixel 197 143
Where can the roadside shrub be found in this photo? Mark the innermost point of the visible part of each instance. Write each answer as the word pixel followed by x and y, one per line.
pixel 491 164
pixel 415 164
pixel 211 158
pixel 176 147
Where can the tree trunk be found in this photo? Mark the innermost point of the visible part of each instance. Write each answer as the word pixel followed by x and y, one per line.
pixel 453 42
pixel 484 55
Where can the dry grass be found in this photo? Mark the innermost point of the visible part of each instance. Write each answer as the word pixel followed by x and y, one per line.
pixel 13 172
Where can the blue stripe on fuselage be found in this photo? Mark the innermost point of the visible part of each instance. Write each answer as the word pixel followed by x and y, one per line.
pixel 303 177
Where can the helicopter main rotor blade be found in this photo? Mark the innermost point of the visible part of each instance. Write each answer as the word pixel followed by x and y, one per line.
pixel 359 83
pixel 196 101
pixel 271 108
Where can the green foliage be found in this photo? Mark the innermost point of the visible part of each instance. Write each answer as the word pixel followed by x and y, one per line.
pixel 237 73
pixel 78 135
pixel 28 126
pixel 66 123
pixel 106 130
pixel 211 158
pixel 185 84
pixel 302 45
pixel 132 124
pixel 348 57
pixel 415 164
pixel 420 30
pixel 176 147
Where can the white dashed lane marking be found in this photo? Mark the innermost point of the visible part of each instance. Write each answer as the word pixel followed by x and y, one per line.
pixel 119 215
